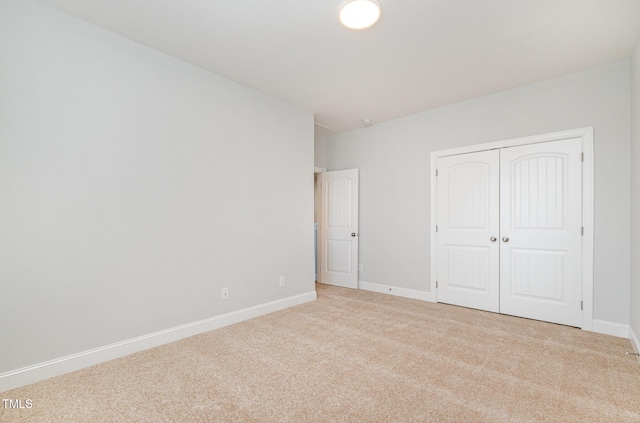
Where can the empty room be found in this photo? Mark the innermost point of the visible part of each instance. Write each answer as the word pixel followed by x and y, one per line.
pixel 319 211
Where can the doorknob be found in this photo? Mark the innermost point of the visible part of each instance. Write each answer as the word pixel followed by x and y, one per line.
pixel 505 239
pixel 353 234
pixel 493 239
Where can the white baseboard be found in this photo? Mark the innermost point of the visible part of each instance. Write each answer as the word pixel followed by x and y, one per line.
pixel 599 326
pixel 30 374
pixel 611 328
pixel 635 342
pixel 394 290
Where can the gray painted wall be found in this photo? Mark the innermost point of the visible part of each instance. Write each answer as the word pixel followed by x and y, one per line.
pixel 133 187
pixel 393 159
pixel 635 190
pixel 320 150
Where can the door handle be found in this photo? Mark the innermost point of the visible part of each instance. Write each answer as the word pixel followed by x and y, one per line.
pixel 493 239
pixel 505 239
pixel 353 234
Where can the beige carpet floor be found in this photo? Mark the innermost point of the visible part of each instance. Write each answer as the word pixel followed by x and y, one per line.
pixel 356 356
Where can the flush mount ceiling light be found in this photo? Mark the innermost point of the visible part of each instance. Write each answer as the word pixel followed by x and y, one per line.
pixel 360 14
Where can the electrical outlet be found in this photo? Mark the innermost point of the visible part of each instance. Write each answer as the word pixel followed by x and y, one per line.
pixel 281 281
pixel 225 294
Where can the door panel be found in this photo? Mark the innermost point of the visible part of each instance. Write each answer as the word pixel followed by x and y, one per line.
pixel 468 217
pixel 540 230
pixel 339 228
pixel 538 274
pixel 468 268
pixel 339 256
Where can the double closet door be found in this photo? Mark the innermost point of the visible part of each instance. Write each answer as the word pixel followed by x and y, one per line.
pixel 509 231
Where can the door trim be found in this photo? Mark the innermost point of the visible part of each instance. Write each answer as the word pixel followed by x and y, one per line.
pixel 586 134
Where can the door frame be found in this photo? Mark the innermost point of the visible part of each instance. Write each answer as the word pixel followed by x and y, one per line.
pixel 317 204
pixel 586 135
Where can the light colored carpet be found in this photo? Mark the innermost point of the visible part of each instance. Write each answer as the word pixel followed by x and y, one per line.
pixel 356 356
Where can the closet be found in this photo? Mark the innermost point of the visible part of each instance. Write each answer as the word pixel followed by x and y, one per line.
pixel 509 228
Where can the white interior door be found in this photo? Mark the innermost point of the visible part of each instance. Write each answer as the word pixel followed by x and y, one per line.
pixel 339 228
pixel 540 231
pixel 468 227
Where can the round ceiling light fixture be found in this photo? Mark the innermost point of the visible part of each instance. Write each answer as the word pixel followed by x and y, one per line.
pixel 360 14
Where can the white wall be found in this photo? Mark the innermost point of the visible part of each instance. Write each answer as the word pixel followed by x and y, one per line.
pixel 635 191
pixel 393 159
pixel 320 150
pixel 133 187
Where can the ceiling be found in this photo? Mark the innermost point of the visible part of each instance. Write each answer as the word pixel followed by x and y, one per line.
pixel 422 54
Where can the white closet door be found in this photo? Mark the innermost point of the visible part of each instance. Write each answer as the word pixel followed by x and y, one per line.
pixel 468 220
pixel 540 231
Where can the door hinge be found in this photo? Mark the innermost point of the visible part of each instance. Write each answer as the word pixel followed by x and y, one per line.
pixel 436 173
pixel 436 284
pixel 582 157
pixel 581 305
pixel 436 228
pixel 582 231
